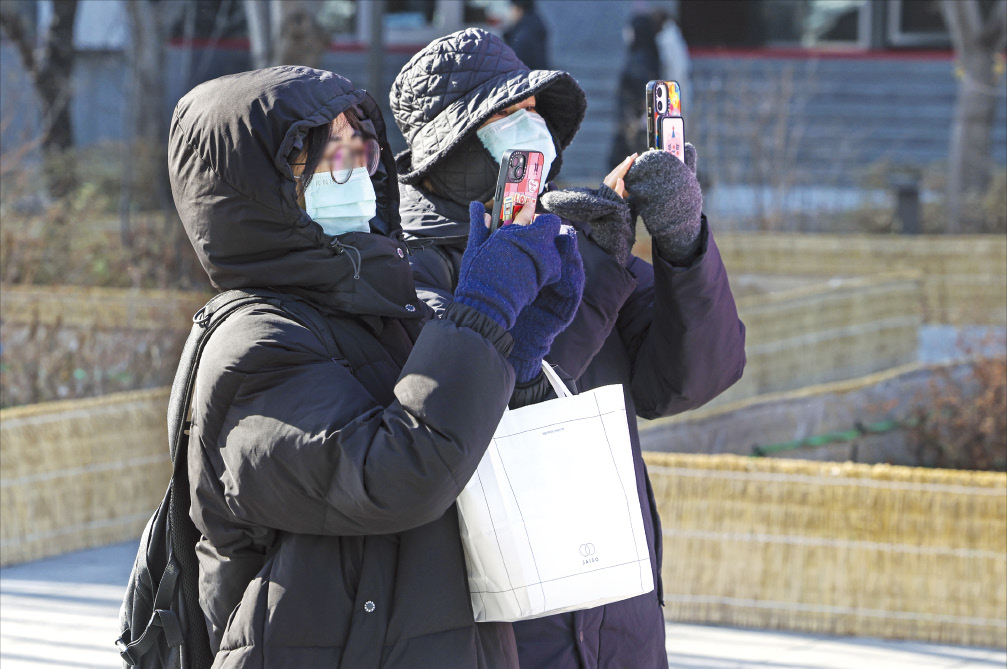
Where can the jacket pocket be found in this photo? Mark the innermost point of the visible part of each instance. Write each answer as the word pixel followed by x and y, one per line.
pixel 310 599
pixel 248 618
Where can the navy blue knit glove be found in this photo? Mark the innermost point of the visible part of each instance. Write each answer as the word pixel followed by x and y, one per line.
pixel 552 311
pixel 502 273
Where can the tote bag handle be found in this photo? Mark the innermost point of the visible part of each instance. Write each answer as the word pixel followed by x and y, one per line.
pixel 554 381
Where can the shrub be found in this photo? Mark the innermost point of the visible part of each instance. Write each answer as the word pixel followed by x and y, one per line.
pixel 961 423
pixel 80 239
pixel 41 363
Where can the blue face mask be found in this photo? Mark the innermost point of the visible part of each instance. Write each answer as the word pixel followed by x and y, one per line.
pixel 521 130
pixel 341 207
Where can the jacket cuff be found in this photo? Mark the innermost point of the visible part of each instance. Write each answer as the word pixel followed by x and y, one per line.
pixel 533 392
pixel 608 194
pixel 539 389
pixel 694 257
pixel 466 317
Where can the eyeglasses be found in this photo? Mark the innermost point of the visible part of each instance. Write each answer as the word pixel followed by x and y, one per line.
pixel 346 157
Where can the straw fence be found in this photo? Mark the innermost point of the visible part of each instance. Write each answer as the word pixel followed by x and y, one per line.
pixel 112 308
pixel 66 342
pixel 832 330
pixel 964 277
pixel 80 473
pixel 828 331
pixel 774 418
pixel 846 549
pixel 819 547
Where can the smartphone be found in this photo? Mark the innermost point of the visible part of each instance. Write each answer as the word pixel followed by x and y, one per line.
pixel 518 185
pixel 665 126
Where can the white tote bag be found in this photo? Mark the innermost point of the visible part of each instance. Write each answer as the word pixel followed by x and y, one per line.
pixel 551 520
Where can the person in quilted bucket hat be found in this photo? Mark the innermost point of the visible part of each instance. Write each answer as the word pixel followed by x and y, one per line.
pixel 669 332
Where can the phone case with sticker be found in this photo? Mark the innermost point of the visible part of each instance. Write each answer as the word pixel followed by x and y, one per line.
pixel 665 126
pixel 518 185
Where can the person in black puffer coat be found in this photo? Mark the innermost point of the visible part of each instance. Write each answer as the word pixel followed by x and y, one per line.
pixel 325 460
pixel 643 64
pixel 528 35
pixel 669 333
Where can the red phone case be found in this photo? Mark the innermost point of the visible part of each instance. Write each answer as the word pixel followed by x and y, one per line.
pixel 517 185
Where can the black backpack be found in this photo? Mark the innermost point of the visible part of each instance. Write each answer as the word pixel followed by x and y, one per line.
pixel 160 619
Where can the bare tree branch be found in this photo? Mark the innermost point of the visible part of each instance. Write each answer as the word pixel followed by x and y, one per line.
pixel 144 127
pixel 51 71
pixel 56 45
pixel 16 31
pixel 220 22
pixel 302 40
pixel 188 30
pixel 257 14
pixel 972 17
pixel 994 33
pixel 952 11
pixel 969 155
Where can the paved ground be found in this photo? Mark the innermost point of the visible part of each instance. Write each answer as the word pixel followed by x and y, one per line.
pixel 62 612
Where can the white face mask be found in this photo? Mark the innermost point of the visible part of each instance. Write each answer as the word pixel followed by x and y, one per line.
pixel 521 130
pixel 341 207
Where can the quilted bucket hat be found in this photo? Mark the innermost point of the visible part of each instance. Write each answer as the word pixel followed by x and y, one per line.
pixel 451 87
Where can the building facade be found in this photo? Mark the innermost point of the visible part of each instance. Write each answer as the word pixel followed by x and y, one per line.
pixel 819 89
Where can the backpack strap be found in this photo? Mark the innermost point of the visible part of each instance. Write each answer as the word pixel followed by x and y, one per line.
pixel 162 619
pixel 208 319
pixel 204 322
pixel 307 315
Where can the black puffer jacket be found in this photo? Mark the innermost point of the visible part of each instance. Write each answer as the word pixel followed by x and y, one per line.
pixel 670 335
pixel 324 468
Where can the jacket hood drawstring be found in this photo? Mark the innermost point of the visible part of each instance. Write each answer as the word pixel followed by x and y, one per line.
pixel 356 261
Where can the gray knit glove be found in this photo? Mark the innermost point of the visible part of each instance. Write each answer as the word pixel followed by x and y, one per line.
pixel 608 214
pixel 665 193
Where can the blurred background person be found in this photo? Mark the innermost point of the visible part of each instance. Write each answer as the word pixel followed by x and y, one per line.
pixel 642 64
pixel 674 52
pixel 527 35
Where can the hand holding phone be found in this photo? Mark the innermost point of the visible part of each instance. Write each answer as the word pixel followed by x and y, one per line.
pixel 526 216
pixel 517 188
pixel 616 178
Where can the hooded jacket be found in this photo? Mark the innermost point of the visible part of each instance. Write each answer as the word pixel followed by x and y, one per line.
pixel 324 463
pixel 670 335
